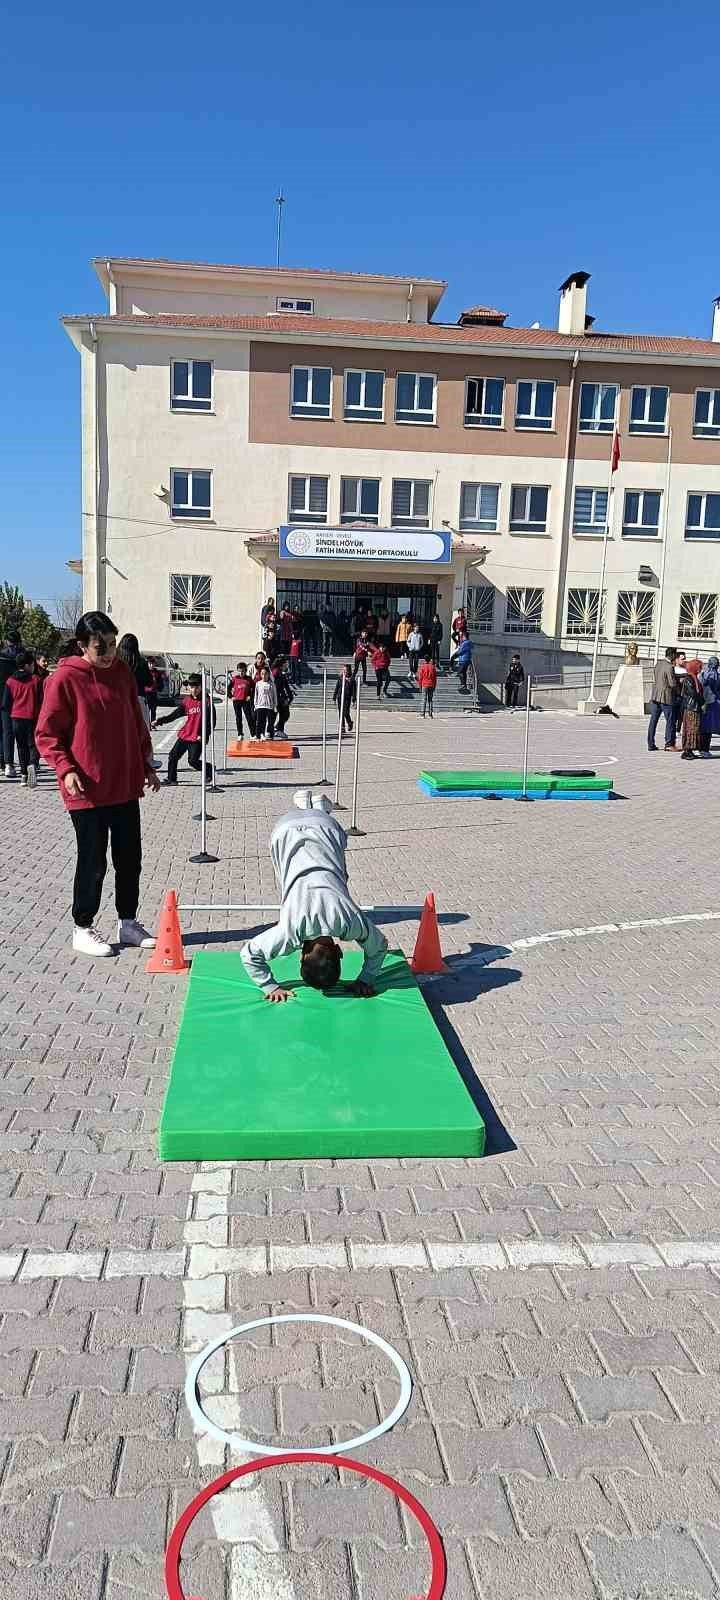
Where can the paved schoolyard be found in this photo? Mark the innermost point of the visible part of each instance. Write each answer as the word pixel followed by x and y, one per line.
pixel 558 1303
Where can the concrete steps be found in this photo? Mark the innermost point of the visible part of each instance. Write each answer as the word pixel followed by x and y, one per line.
pixel 403 695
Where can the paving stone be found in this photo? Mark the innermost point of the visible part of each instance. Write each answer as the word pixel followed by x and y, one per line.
pixel 513 1448
pixel 84 1580
pixel 642 1353
pixel 109 1524
pixel 678 1499
pixel 603 1448
pixel 532 1569
pixel 336 1512
pixel 548 1510
pixel 660 1565
pixel 601 1398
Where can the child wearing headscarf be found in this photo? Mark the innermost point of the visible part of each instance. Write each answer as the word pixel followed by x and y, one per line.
pixel 710 715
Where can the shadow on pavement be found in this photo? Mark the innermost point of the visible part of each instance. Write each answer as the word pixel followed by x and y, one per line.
pixel 498 1140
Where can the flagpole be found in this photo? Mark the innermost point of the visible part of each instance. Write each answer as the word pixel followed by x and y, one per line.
pixel 598 620
pixel 663 558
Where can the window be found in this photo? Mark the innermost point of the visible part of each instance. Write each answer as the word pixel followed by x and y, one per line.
pixel 598 407
pixel 479 507
pixel 648 410
pixel 697 616
pixel 635 612
pixel 590 511
pixel 311 390
pixel 528 509
pixel 190 494
pixel 191 385
pixel 306 306
pixel 582 610
pixel 360 500
pixel 480 606
pixel 484 398
pixel 535 405
pixel 707 414
pixel 523 610
pixel 190 597
pixel 410 503
pixel 364 396
pixel 415 397
pixel 641 515
pixel 308 498
pixel 703 516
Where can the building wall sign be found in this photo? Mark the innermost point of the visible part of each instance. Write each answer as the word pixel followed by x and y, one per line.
pixel 365 544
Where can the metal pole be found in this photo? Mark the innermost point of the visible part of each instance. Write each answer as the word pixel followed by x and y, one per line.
pixel 203 856
pixel 525 795
pixel 198 905
pixel 324 777
pixel 603 564
pixel 225 734
pixel 212 785
pixel 354 831
pixel 663 558
pixel 336 801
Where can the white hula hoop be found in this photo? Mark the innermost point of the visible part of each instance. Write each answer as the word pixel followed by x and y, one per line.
pixel 204 1424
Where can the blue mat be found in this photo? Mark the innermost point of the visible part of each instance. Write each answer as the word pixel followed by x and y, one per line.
pixel 512 794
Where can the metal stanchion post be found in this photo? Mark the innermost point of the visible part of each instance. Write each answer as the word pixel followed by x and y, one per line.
pixel 324 777
pixel 354 830
pixel 336 799
pixel 203 856
pixel 225 767
pixel 213 721
pixel 525 795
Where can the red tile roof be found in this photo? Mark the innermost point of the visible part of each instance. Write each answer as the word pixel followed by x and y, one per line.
pixel 422 333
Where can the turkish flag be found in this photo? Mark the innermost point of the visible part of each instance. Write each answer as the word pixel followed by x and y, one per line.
pixel 615 457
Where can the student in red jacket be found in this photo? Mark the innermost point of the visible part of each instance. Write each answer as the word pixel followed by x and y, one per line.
pixel 22 698
pixel 426 680
pixel 189 739
pixel 91 730
pixel 296 650
pixel 242 689
pixel 381 667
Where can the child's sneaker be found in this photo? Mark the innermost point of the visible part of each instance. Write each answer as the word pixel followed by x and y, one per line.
pixel 303 799
pixel 130 931
pixel 87 942
pixel 23 779
pixel 10 770
pixel 32 775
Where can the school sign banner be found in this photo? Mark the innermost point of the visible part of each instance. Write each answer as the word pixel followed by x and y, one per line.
pixel 365 544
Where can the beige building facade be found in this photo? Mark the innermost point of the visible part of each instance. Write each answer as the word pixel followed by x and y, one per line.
pixel 222 405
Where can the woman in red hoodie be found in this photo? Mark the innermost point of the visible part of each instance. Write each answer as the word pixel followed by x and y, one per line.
pixel 91 730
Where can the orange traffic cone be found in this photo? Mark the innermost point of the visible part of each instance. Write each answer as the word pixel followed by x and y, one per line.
pixel 427 955
pixel 168 955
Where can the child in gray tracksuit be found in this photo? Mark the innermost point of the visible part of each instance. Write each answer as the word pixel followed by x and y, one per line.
pixel 308 853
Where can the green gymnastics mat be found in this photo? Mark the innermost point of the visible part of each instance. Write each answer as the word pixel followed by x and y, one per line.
pixel 320 1075
pixel 459 782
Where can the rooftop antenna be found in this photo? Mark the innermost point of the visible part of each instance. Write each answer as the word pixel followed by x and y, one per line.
pixel 279 201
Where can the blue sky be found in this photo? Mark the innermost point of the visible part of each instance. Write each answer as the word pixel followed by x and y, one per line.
pixel 498 146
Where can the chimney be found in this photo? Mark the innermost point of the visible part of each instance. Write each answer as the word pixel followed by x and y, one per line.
pixel 716 321
pixel 481 317
pixel 573 303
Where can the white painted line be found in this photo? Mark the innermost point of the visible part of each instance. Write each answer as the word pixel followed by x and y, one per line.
pixel 613 927
pixel 209 1266
pixel 62 1264
pixel 690 1253
pixel 145 1264
pixel 491 755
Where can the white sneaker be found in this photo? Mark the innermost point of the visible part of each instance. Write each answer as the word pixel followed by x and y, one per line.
pixel 10 771
pixel 130 931
pixel 320 802
pixel 32 775
pixel 302 798
pixel 87 942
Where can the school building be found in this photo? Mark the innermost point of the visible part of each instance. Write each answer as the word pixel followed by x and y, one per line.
pixel 325 438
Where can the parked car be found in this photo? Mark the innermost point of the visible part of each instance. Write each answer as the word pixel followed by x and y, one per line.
pixel 170 677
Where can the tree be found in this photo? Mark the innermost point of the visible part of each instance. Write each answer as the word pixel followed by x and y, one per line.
pixel 67 609
pixel 37 631
pixel 12 608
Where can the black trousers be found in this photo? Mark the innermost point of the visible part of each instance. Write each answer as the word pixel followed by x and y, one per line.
pixel 512 692
pixel 192 747
pixel 382 680
pixel 151 698
pixel 264 722
pixel 347 721
pixel 414 658
pixel 92 829
pixel 360 665
pixel 244 707
pixel 436 652
pixel 296 670
pixel 24 733
pixel 7 745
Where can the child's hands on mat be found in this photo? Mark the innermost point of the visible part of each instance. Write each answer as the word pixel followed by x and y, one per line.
pixel 365 991
pixel 279 994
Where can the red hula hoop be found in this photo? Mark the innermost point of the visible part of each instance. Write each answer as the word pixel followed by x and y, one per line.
pixel 437 1552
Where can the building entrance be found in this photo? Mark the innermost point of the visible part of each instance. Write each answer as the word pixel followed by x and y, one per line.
pixel 343 596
